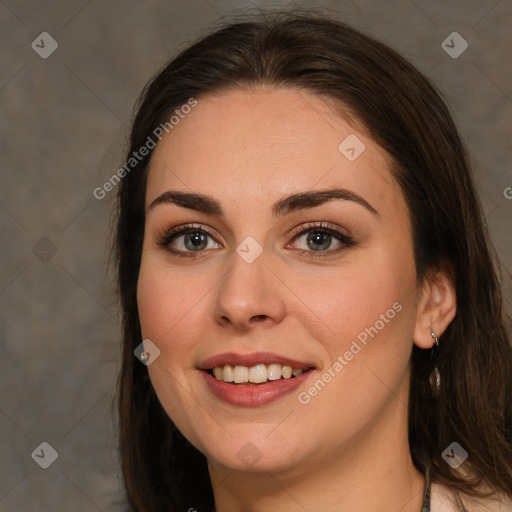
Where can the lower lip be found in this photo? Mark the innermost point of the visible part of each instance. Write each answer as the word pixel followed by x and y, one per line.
pixel 253 395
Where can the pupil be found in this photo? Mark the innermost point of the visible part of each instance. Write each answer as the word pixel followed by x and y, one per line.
pixel 319 239
pixel 197 239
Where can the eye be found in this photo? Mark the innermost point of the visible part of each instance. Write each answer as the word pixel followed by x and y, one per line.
pixel 319 237
pixel 187 240
pixel 190 240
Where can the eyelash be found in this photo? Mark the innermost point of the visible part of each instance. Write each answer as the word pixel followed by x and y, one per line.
pixel 320 227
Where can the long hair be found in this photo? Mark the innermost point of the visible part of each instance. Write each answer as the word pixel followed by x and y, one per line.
pixel 405 114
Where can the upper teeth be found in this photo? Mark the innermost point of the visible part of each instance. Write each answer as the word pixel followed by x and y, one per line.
pixel 255 374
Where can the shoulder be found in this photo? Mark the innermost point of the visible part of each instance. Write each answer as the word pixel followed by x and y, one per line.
pixel 444 499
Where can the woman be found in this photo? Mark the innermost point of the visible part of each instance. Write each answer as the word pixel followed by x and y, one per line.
pixel 305 274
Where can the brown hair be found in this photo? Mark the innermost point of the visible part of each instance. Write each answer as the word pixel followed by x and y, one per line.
pixel 406 116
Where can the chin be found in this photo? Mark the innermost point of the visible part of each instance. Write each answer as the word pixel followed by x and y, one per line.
pixel 251 459
pixel 256 454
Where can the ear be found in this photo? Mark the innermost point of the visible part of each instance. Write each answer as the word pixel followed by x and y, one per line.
pixel 436 308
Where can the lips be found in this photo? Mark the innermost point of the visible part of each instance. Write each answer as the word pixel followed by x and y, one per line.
pixel 253 379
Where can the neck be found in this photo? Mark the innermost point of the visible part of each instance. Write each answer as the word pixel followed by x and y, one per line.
pixel 373 472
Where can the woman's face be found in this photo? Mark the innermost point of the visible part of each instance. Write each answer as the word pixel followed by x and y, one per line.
pixel 277 273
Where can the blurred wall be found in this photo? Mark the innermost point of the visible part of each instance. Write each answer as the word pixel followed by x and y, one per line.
pixel 70 72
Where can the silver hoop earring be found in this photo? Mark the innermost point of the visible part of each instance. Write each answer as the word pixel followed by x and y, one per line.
pixel 435 376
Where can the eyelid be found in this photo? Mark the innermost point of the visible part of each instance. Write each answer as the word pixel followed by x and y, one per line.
pixel 320 225
pixel 167 235
pixel 188 227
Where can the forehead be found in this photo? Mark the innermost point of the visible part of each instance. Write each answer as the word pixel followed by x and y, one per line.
pixel 258 146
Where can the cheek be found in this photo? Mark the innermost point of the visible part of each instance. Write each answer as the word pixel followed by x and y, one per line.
pixel 169 306
pixel 156 306
pixel 368 312
pixel 165 305
pixel 165 298
pixel 367 341
pixel 368 295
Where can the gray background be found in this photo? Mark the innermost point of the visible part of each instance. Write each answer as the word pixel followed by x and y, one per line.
pixel 64 122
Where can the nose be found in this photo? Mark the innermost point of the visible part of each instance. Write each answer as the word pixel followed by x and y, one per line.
pixel 249 294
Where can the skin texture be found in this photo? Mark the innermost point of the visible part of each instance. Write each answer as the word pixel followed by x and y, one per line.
pixel 347 448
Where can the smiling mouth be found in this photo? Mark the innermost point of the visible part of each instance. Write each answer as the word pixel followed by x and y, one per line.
pixel 254 375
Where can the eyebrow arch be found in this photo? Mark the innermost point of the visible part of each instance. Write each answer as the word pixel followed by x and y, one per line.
pixel 209 205
pixel 315 198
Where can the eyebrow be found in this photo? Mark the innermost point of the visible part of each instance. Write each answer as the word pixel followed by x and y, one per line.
pixel 209 205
